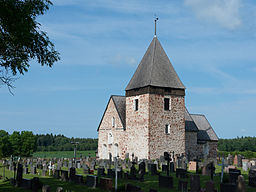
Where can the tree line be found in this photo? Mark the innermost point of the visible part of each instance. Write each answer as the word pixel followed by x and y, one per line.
pixel 237 144
pixel 50 142
pixel 24 143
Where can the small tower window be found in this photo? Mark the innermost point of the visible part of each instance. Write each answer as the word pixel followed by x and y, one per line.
pixel 166 104
pixel 136 105
pixel 113 121
pixel 167 129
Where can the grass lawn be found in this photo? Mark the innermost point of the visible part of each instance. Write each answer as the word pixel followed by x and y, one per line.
pixel 63 154
pixel 150 182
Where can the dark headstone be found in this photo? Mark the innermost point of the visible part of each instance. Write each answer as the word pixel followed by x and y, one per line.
pixel 210 186
pixel 133 171
pixel 36 185
pixel 152 169
pixel 26 184
pixel 164 168
pixel 72 174
pixel 26 170
pixel 64 175
pixel 181 173
pixel 79 179
pixel 101 172
pixel 172 167
pixel 132 188
pixel 106 183
pixel 183 186
pixel 233 175
pixel 56 174
pixel 142 167
pixel 227 187
pixel 91 181
pixel 195 183
pixel 111 173
pixel 252 178
pixel 19 175
pixel 165 181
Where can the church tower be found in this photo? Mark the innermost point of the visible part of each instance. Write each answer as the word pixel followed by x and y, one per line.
pixel 155 107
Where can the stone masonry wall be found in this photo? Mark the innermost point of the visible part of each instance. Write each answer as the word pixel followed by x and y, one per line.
pixel 212 149
pixel 191 144
pixel 159 141
pixel 106 145
pixel 137 126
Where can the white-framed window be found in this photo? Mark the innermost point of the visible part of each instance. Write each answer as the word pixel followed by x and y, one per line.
pixel 113 122
pixel 167 129
pixel 136 104
pixel 167 103
pixel 116 150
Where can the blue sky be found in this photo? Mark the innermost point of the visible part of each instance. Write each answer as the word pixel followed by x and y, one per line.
pixel 211 44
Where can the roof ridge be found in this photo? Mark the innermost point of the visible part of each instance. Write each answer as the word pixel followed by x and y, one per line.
pixel 152 60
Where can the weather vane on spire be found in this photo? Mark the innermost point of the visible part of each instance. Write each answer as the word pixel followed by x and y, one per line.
pixel 156 18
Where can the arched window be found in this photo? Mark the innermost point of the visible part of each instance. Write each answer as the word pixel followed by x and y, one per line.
pixel 104 151
pixel 116 150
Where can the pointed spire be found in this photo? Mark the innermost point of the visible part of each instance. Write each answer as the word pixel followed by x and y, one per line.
pixel 155 69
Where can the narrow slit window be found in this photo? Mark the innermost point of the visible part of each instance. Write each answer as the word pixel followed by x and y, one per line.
pixel 167 129
pixel 113 121
pixel 136 107
pixel 166 104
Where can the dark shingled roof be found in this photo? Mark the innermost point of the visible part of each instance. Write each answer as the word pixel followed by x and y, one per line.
pixel 190 125
pixel 120 103
pixel 155 69
pixel 206 132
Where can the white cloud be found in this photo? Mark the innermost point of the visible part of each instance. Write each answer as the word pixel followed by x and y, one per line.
pixel 223 12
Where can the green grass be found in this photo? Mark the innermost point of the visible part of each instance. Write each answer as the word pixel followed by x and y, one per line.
pixel 63 154
pixel 150 182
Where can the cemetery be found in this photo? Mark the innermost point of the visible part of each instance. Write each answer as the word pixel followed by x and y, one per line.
pixel 167 173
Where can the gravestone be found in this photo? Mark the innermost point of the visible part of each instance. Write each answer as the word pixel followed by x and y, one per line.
pixel 106 183
pixel 33 170
pixel 233 175
pixel 209 186
pixel 245 164
pixel 230 159
pixel 19 175
pixel 132 188
pixel 26 170
pixel 101 172
pixel 79 179
pixel 86 169
pixel 64 175
pixel 56 174
pixel 167 159
pixel 91 181
pixel 153 169
pixel 183 186
pixel 59 189
pixel 44 172
pixel 72 174
pixel 192 166
pixel 46 188
pixel 227 187
pixel 252 178
pixel 241 184
pixel 133 171
pixel 35 184
pixel 165 181
pixel 195 183
pixel 142 167
pixel 181 173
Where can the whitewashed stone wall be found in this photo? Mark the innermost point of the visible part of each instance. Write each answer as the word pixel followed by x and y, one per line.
pixel 105 145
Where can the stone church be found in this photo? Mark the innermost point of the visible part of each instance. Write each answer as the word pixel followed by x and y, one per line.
pixel 152 118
